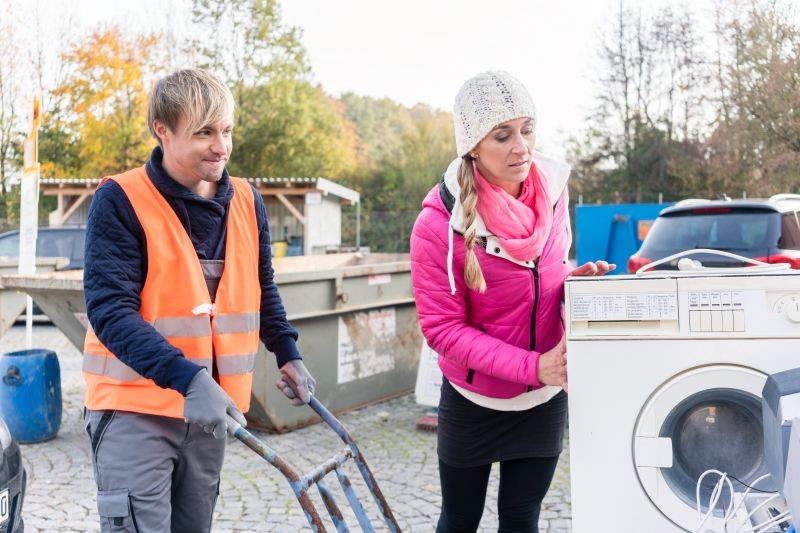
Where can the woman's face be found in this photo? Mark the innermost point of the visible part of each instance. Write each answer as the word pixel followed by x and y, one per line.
pixel 504 156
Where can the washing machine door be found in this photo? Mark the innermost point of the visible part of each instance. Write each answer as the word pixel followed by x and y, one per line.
pixel 704 418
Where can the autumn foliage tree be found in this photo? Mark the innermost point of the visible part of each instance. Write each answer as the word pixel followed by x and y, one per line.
pixel 102 118
pixel 762 86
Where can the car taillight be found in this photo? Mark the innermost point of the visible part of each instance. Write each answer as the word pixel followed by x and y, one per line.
pixel 794 262
pixel 636 262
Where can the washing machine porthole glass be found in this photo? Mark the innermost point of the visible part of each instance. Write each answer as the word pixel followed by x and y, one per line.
pixel 719 429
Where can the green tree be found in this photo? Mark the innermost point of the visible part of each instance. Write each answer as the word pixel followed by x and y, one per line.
pixel 11 94
pixel 679 117
pixel 285 125
pixel 381 125
pixel 293 129
pixel 246 43
pixel 409 149
pixel 647 107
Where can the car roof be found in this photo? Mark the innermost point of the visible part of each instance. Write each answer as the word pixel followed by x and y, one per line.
pixel 48 228
pixel 780 203
pixel 63 228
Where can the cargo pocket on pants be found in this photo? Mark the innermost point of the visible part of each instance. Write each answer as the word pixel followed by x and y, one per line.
pixel 116 512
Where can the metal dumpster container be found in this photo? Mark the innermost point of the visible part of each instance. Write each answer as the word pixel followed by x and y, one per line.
pixel 12 302
pixel 355 313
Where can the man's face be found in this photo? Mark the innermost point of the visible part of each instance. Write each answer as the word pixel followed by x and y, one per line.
pixel 193 157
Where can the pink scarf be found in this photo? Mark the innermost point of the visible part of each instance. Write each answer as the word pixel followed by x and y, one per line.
pixel 521 224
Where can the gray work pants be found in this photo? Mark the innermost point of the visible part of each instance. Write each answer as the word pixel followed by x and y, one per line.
pixel 153 473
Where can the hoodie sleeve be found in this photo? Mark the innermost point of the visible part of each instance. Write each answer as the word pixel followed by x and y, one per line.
pixel 443 315
pixel 276 333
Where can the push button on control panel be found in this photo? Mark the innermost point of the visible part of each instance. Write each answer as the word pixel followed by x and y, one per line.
pixel 694 320
pixel 727 320
pixel 705 320
pixel 738 320
pixel 716 311
pixel 716 320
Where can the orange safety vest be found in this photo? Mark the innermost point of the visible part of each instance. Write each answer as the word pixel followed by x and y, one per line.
pixel 176 303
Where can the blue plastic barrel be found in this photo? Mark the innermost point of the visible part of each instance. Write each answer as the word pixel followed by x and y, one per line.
pixel 30 394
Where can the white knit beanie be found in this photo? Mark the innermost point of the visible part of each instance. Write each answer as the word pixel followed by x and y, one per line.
pixel 484 101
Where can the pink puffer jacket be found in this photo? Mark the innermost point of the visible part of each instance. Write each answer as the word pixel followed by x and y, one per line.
pixel 485 341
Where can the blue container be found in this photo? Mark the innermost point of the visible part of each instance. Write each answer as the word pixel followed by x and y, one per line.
pixel 612 232
pixel 30 394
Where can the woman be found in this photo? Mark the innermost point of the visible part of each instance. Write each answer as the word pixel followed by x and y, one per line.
pixel 488 263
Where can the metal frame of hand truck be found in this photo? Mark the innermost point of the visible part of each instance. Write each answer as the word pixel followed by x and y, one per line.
pixel 301 483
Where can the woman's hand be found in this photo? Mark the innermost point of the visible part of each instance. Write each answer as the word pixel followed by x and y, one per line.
pixel 552 365
pixel 598 268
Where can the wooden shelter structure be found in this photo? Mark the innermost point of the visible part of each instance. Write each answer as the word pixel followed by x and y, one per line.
pixel 303 212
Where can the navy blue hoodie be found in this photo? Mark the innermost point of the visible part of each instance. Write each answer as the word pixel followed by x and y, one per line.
pixel 116 268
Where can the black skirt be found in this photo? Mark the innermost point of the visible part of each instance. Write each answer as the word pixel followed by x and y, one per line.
pixel 470 435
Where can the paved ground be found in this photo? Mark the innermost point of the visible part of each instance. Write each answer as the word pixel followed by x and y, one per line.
pixel 254 497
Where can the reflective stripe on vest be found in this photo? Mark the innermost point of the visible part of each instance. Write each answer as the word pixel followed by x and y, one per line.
pixel 236 364
pixel 236 323
pixel 175 301
pixel 114 368
pixel 183 326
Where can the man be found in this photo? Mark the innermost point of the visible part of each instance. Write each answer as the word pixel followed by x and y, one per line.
pixel 179 287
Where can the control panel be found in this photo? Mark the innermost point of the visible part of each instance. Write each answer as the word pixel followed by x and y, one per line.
pixel 684 307
pixel 632 306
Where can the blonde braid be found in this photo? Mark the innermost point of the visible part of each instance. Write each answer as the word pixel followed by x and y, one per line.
pixel 469 201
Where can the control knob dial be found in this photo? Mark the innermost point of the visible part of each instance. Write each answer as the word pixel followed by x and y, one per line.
pixel 791 310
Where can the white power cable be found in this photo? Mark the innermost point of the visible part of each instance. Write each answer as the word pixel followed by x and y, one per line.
pixel 693 267
pixel 744 496
pixel 714 497
pixel 774 521
pixel 756 508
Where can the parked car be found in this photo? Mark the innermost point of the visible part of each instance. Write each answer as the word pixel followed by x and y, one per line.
pixel 766 230
pixel 51 242
pixel 12 483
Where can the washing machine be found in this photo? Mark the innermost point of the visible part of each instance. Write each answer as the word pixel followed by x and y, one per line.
pixel 665 379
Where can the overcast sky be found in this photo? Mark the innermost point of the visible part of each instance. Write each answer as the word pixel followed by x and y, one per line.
pixel 423 50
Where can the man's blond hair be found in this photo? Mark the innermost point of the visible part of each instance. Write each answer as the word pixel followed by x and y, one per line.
pixel 196 95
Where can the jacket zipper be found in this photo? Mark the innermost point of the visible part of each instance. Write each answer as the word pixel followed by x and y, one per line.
pixel 535 301
pixel 535 272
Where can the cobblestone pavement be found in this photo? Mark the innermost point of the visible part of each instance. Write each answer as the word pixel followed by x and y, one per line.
pixel 253 495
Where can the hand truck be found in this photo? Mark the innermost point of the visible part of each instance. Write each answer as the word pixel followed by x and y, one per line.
pixel 301 483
